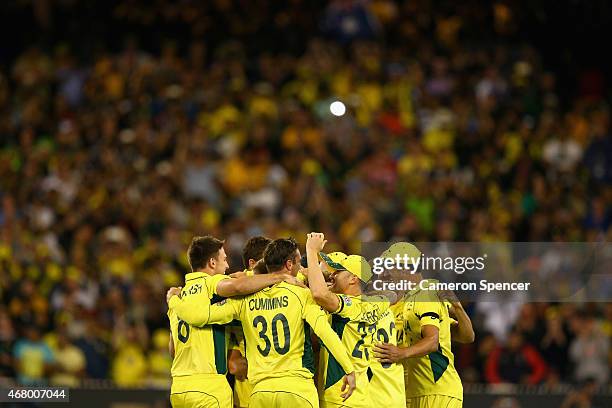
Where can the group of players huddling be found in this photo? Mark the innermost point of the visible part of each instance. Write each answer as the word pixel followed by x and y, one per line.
pixel 264 325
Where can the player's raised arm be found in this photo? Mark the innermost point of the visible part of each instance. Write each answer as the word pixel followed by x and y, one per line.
pixel 461 330
pixel 317 319
pixel 316 282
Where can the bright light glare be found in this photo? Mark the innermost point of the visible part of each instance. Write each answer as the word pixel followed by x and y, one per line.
pixel 337 108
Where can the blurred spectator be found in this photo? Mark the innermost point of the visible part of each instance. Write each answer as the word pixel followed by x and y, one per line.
pixel 33 358
pixel 129 365
pixel 530 325
pixel 516 362
pixel 95 349
pixel 598 156
pixel 486 345
pixel 69 363
pixel 599 216
pixel 555 343
pixel 499 316
pixel 589 352
pixel 159 360
pixel 562 153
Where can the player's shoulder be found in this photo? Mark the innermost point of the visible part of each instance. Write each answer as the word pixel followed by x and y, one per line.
pixel 427 296
pixel 303 294
pixel 298 290
pixel 289 288
pixel 428 301
pixel 215 278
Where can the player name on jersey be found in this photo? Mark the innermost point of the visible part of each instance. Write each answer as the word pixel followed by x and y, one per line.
pixel 268 303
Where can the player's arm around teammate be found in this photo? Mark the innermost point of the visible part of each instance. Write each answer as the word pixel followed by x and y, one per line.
pixel 429 316
pixel 196 313
pixel 316 282
pixel 388 353
pixel 461 332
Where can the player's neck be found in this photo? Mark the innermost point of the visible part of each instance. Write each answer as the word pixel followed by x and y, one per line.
pixel 207 271
pixel 283 271
pixel 353 291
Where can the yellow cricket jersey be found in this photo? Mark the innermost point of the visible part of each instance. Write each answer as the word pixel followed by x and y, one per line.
pixel 355 322
pixel 300 276
pixel 434 374
pixel 276 322
pixel 398 313
pixel 242 389
pixel 387 382
pixel 198 350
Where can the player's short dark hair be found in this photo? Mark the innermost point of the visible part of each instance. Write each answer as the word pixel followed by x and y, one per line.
pixel 278 252
pixel 202 249
pixel 260 268
pixel 254 249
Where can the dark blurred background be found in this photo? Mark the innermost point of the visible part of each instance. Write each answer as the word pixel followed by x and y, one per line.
pixel 126 127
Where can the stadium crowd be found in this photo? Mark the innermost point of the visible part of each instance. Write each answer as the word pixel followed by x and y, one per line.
pixel 110 163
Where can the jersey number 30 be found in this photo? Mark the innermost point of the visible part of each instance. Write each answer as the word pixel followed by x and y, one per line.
pixel 263 334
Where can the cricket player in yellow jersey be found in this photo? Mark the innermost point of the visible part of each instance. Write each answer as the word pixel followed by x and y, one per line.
pixel 252 252
pixel 387 381
pixel 353 319
pixel 276 323
pixel 200 354
pixel 430 374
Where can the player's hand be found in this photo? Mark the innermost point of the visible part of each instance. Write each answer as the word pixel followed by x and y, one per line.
pixel 174 291
pixel 348 386
pixel 237 365
pixel 315 241
pixel 293 280
pixel 450 297
pixel 388 353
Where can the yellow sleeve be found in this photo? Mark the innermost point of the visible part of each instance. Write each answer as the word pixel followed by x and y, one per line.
pixel 317 319
pixel 213 281
pixel 369 309
pixel 193 306
pixel 429 311
pixel 225 311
